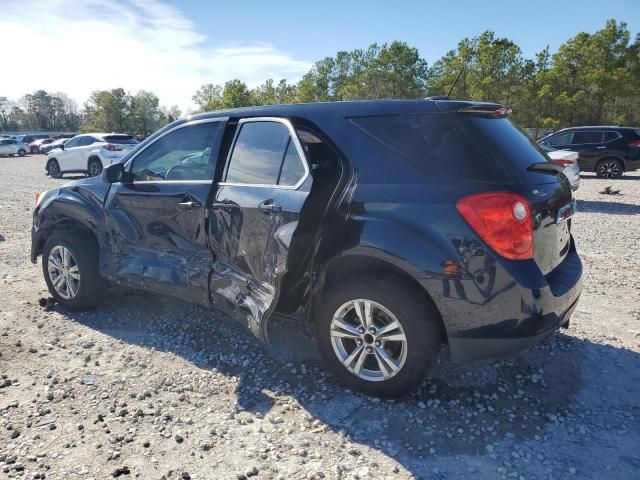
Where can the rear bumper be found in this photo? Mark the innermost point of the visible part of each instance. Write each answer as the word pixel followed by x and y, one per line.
pixel 522 308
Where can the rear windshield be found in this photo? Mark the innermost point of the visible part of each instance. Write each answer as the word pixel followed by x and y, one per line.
pixel 456 145
pixel 121 139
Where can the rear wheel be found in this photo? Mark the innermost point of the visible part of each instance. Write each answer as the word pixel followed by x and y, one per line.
pixel 610 168
pixel 94 167
pixel 378 337
pixel 70 268
pixel 54 169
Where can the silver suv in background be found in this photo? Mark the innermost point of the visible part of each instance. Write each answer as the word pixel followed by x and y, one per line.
pixel 10 146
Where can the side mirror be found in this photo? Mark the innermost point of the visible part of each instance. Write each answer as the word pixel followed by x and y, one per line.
pixel 113 173
pixel 62 146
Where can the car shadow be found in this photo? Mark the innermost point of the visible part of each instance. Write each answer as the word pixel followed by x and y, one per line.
pixel 454 415
pixel 613 208
pixel 627 176
pixel 2 239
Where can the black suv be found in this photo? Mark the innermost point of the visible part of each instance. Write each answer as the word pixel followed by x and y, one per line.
pixel 608 151
pixel 389 227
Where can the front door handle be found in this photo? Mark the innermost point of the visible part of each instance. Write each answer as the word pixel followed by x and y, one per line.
pixel 268 206
pixel 190 205
pixel 601 148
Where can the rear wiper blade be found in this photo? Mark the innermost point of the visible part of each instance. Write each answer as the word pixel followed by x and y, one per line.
pixel 545 167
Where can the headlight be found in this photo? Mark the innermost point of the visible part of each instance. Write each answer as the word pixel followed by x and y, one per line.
pixel 41 196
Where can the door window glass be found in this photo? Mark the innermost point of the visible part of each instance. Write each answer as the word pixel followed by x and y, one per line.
pixel 586 137
pixel 608 136
pixel 258 153
pixel 74 142
pixel 180 155
pixel 292 168
pixel 560 139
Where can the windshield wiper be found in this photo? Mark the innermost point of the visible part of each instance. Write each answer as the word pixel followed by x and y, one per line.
pixel 545 167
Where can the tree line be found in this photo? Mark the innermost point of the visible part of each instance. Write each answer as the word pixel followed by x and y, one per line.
pixel 593 78
pixel 105 111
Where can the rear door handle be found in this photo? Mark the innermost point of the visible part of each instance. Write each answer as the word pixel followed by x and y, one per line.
pixel 189 205
pixel 268 206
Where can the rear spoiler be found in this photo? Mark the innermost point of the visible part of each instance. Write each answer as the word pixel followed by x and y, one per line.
pixel 488 110
pixel 546 167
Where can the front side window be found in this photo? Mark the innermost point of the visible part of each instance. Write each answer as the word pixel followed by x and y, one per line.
pixel 74 142
pixel 264 154
pixel 560 139
pixel 179 155
pixel 587 137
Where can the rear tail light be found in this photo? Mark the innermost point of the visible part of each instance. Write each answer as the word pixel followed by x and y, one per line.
pixel 635 143
pixel 503 220
pixel 37 197
pixel 112 148
pixel 563 162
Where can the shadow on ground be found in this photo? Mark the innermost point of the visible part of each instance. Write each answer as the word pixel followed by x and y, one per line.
pixel 459 410
pixel 613 208
pixel 627 176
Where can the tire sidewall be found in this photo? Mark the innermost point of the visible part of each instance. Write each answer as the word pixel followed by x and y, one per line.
pixel 58 174
pixel 418 321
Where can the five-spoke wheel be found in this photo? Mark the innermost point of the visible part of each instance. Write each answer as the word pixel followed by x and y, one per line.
pixel 378 336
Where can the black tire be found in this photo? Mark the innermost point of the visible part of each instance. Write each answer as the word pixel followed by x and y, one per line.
pixel 94 167
pixel 53 167
pixel 91 286
pixel 22 152
pixel 418 317
pixel 609 168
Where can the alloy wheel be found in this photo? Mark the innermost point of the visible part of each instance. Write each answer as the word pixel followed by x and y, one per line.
pixel 609 169
pixel 95 169
pixel 63 272
pixel 368 340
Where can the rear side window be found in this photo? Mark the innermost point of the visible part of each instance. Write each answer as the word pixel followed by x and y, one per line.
pixel 587 137
pixel 609 136
pixel 121 139
pixel 264 154
pixel 440 143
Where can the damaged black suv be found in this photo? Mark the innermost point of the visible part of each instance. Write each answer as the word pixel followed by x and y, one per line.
pixel 391 228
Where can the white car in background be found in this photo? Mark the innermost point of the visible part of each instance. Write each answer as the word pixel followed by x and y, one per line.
pixel 88 153
pixel 10 146
pixel 569 160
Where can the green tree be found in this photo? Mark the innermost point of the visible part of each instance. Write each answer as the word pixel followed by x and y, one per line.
pixel 145 115
pixel 107 111
pixel 208 97
pixel 235 94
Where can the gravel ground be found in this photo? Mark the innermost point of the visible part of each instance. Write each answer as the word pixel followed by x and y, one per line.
pixel 148 387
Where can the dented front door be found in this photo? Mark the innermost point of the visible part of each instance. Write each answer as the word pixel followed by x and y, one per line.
pixel 253 217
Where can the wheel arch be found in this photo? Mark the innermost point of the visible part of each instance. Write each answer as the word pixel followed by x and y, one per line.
pixel 344 268
pixel 63 225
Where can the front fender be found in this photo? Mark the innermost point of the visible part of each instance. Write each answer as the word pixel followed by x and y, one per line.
pixel 70 207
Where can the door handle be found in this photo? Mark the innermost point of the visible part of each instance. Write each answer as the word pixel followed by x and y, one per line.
pixel 190 205
pixel 224 204
pixel 268 206
pixel 601 148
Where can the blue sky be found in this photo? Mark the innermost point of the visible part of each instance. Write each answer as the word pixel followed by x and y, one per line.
pixel 312 32
pixel 172 47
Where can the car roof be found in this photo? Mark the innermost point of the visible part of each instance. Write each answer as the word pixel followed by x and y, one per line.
pixel 346 109
pixel 599 127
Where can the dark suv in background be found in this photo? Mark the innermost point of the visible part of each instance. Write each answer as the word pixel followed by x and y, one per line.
pixel 608 151
pixel 389 227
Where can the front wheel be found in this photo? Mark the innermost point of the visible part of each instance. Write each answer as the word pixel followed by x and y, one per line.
pixel 54 169
pixel 379 337
pixel 610 168
pixel 22 152
pixel 70 268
